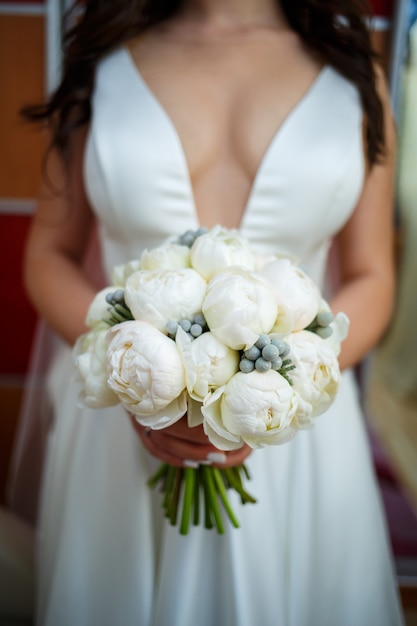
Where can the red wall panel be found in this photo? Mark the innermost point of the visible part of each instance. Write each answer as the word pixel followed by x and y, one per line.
pixel 17 318
pixel 22 2
pixel 382 8
pixel 22 78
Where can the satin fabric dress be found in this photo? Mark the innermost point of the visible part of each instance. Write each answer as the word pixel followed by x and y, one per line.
pixel 313 551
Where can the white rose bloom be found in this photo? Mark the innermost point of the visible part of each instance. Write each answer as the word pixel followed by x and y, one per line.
pixel 172 256
pixel 316 376
pixel 121 273
pixel 297 294
pixel 220 248
pixel 144 369
pixel 238 307
pixel 98 310
pixel 208 363
pixel 255 408
pixel 90 359
pixel 158 296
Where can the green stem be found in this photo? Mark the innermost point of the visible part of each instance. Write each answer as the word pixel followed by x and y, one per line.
pixel 196 502
pixel 233 475
pixel 158 475
pixel 123 311
pixel 244 470
pixel 169 485
pixel 116 316
pixel 173 505
pixel 214 483
pixel 214 505
pixel 219 482
pixel 207 507
pixel 189 475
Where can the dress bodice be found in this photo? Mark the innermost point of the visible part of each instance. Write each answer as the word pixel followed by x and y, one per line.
pixel 138 181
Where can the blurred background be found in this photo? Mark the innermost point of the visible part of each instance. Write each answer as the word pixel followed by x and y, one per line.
pixel 29 68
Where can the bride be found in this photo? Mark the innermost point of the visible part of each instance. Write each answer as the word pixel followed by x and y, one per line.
pixel 272 118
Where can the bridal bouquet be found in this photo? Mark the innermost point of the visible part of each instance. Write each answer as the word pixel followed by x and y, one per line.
pixel 203 326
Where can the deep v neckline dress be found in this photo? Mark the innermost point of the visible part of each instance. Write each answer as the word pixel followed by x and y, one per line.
pixel 313 551
pixel 179 152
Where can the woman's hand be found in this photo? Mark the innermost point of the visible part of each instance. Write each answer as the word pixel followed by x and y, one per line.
pixel 182 446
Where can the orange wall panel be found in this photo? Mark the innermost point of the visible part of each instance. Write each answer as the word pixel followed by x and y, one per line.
pixel 22 80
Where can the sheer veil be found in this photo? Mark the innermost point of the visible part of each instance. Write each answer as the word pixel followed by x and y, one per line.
pixel 36 413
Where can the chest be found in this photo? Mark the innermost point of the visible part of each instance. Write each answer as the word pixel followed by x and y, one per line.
pixel 225 105
pixel 143 189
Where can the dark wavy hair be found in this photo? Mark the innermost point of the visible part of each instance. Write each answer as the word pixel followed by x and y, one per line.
pixel 334 29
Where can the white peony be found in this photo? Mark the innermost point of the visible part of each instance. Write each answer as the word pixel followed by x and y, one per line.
pixel 316 376
pixel 158 296
pixel 122 272
pixel 298 297
pixel 208 363
pixel 255 408
pixel 171 256
pixel 90 359
pixel 238 307
pixel 98 310
pixel 220 248
pixel 145 371
pixel 194 414
pixel 262 259
pixel 340 328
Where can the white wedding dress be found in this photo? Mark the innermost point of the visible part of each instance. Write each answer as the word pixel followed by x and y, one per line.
pixel 313 551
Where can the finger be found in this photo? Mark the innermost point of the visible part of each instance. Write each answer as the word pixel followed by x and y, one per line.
pixel 163 456
pixel 200 453
pixel 181 430
pixel 236 457
pixel 171 449
pixel 183 448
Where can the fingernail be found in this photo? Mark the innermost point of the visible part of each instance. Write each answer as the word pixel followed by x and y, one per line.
pixel 216 457
pixel 189 463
